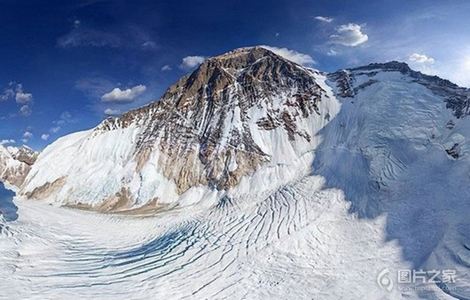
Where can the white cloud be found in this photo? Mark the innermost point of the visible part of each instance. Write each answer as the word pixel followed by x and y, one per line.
pixel 45 136
pixel 149 45
pixel 26 110
pixel 55 129
pixel 421 58
pixel 349 35
pixel 292 55
pixel 424 64
pixel 332 52
pixel 6 142
pixel 65 115
pixel 324 19
pixel 27 135
pixel 21 96
pixel 167 68
pixel 127 95
pixel 15 91
pixel 7 94
pixel 190 62
pixel 64 119
pixel 80 36
pixel 111 112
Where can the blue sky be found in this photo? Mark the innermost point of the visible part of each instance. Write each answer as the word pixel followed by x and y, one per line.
pixel 66 65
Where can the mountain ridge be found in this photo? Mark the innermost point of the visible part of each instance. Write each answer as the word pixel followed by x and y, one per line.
pixel 222 123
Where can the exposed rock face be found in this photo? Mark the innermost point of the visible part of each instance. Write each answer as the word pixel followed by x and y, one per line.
pixel 47 189
pixel 15 164
pixel 201 123
pixel 209 129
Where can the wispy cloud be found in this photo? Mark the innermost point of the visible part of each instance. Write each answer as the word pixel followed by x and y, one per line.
pixel 292 55
pixel 350 35
pixel 64 119
pixel 55 129
pixel 7 142
pixel 94 87
pixel 87 37
pixel 111 112
pixel 82 35
pixel 332 52
pixel 45 136
pixel 26 110
pixel 324 19
pixel 166 68
pixel 124 96
pixel 7 94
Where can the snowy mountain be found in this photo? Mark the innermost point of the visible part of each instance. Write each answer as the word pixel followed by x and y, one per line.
pixel 245 114
pixel 285 183
pixel 15 163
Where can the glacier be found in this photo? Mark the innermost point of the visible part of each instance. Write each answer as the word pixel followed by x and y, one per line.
pixel 381 186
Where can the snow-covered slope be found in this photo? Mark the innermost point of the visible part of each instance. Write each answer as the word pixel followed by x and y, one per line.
pixel 368 176
pixel 400 147
pixel 245 121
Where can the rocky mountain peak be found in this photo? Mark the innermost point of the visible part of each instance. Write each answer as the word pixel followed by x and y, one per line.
pixel 23 154
pixel 15 163
pixel 253 70
pixel 211 127
pixel 251 74
pixel 242 57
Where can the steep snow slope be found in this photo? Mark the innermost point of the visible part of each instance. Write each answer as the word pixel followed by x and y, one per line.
pixel 400 148
pixel 245 114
